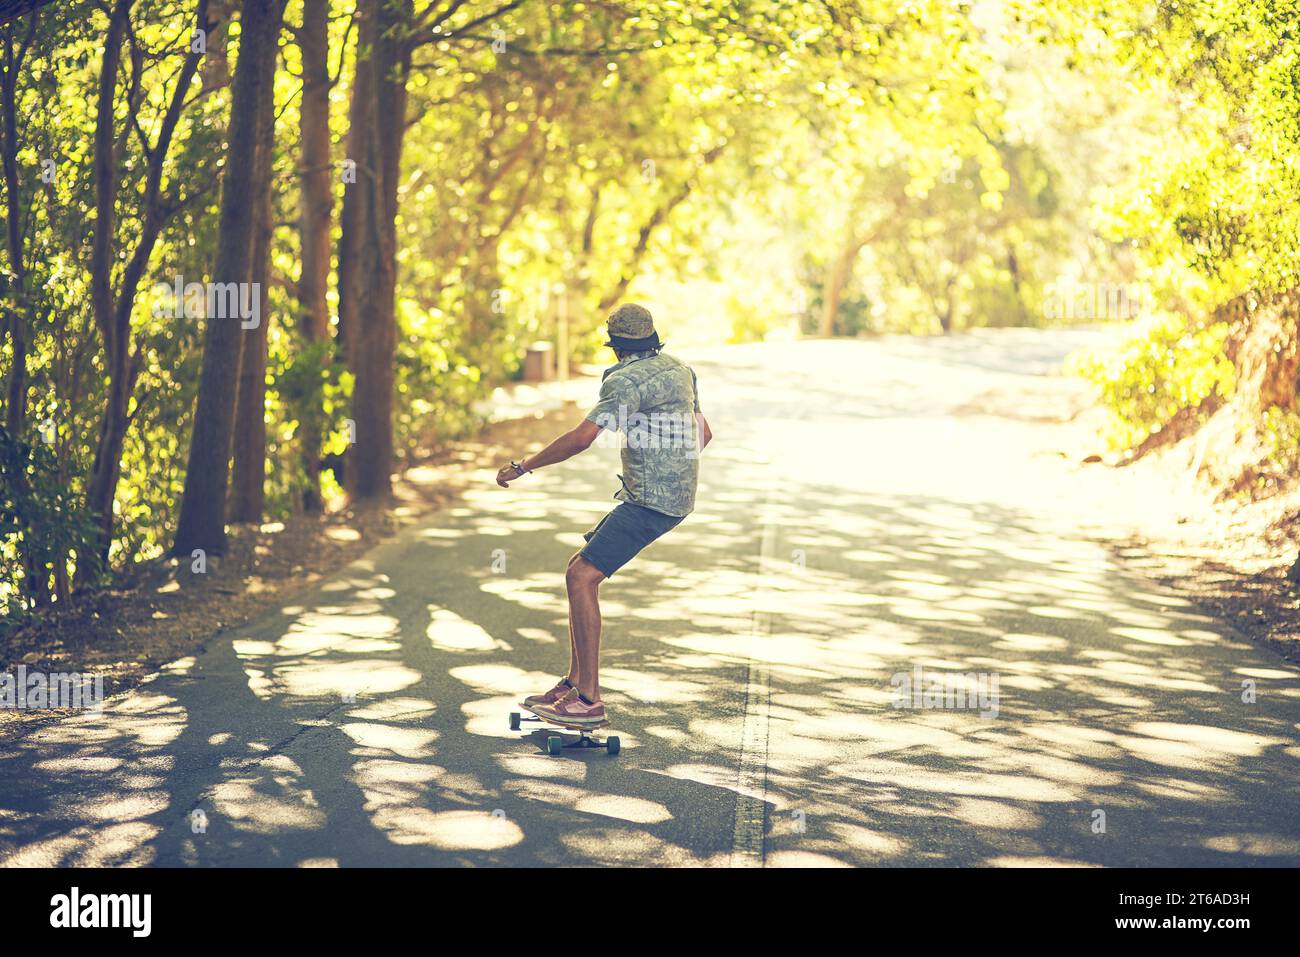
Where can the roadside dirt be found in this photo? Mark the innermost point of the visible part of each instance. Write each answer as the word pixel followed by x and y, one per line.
pixel 1231 557
pixel 1233 560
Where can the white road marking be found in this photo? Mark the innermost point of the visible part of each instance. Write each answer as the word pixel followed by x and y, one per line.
pixel 751 788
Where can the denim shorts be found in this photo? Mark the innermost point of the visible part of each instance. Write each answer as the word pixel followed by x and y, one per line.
pixel 622 533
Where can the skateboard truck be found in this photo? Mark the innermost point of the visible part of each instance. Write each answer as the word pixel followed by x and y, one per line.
pixel 555 743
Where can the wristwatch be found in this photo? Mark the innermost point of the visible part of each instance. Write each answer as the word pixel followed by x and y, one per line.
pixel 519 469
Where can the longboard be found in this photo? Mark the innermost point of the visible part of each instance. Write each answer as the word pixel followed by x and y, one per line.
pixel 555 743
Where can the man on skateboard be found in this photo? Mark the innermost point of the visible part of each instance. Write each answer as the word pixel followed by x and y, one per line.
pixel 651 398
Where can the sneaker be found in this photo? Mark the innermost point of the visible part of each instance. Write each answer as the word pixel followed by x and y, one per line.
pixel 552 696
pixel 573 709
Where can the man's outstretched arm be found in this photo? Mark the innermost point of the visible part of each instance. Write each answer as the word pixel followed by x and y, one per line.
pixel 577 439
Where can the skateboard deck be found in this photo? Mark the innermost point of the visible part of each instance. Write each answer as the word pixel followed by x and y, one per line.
pixel 556 743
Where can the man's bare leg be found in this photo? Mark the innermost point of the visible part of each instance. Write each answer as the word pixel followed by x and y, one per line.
pixel 573 646
pixel 583 581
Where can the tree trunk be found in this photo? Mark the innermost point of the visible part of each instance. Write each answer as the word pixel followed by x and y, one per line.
pixel 16 305
pixel 949 313
pixel 102 487
pixel 248 485
pixel 371 324
pixel 317 198
pixel 214 71
pixel 314 223
pixel 202 523
pixel 113 311
pixel 483 278
pixel 837 279
pixel 354 214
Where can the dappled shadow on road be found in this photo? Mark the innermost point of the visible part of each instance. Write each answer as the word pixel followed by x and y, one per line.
pixel 369 724
pixel 1117 707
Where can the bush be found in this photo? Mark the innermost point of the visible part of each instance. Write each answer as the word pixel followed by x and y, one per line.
pixel 1164 367
pixel 437 387
pixel 1280 433
pixel 42 526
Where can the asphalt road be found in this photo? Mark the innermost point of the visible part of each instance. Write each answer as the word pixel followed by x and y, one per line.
pixel 858 519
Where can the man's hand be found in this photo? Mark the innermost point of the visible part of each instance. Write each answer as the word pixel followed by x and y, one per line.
pixel 706 433
pixel 576 440
pixel 507 474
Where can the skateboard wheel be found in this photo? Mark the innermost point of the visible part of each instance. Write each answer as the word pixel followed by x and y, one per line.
pixel 514 720
pixel 612 744
pixel 554 744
